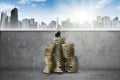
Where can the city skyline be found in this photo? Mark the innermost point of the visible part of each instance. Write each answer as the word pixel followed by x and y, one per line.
pixel 76 10
pixel 12 22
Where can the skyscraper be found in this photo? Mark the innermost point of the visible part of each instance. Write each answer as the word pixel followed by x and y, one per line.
pixel 20 24
pixel 98 23
pixel 116 19
pixel 3 20
pixel 52 25
pixel 14 18
pixel 67 24
pixel 6 22
pixel 115 23
pixel 25 23
pixel 99 19
pixel 32 23
pixel 43 25
pixel 107 22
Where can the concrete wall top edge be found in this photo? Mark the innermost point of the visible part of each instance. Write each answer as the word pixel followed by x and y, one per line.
pixel 86 30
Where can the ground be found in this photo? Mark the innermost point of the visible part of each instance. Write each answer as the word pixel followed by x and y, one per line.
pixel 38 75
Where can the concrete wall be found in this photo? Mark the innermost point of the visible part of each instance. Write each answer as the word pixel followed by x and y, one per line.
pixel 0 45
pixel 95 49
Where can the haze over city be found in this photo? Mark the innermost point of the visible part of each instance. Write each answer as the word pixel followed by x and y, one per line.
pixel 76 10
pixel 73 11
pixel 12 22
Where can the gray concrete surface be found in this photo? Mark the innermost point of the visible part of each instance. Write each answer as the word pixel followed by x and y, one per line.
pixel 94 49
pixel 21 55
pixel 81 75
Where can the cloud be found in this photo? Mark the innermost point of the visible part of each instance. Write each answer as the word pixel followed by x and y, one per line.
pixel 6 6
pixel 118 7
pixel 72 8
pixel 89 4
pixel 101 4
pixel 29 1
pixel 33 5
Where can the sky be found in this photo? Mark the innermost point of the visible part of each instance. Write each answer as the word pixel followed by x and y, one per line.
pixel 75 10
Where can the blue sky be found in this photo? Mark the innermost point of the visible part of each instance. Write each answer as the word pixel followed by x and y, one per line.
pixel 47 10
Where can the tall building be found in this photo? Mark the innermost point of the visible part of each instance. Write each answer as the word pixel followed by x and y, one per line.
pixel 20 24
pixel 14 18
pixel 4 20
pixel 98 23
pixel 0 24
pixel 43 25
pixel 52 25
pixel 32 23
pixel 36 25
pixel 67 24
pixel 107 24
pixel 116 19
pixel 118 25
pixel 25 23
pixel 9 22
pixel 99 19
pixel 115 22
